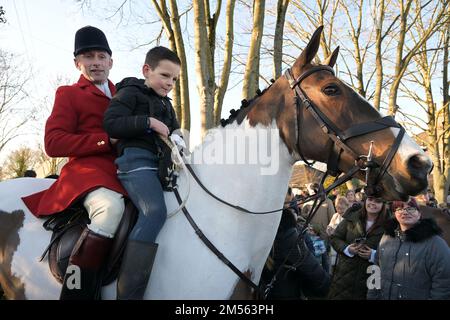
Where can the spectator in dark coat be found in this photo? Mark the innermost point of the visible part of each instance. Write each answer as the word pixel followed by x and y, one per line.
pixel 355 241
pixel 414 260
pixel 301 276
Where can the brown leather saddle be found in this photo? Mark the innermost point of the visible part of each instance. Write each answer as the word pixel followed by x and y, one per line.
pixel 67 227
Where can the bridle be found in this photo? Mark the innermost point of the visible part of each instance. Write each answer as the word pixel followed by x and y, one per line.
pixel 340 138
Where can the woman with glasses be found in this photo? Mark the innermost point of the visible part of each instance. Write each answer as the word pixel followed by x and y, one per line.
pixel 414 260
pixel 355 240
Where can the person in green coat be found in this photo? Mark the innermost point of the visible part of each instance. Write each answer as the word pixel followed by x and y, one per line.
pixel 355 240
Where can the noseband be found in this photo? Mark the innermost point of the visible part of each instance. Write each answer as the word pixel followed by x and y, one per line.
pixel 340 138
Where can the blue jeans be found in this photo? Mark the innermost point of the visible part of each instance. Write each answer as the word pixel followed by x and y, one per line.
pixel 139 176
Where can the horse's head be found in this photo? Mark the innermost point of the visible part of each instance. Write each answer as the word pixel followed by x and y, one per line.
pixel 322 118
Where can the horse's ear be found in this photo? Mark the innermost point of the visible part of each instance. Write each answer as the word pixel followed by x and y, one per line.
pixel 310 51
pixel 331 60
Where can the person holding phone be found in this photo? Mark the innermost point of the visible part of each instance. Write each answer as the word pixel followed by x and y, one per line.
pixel 355 241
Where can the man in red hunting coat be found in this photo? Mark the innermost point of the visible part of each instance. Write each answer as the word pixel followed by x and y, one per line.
pixel 74 129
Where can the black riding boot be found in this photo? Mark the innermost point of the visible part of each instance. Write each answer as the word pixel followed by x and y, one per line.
pixel 82 280
pixel 135 271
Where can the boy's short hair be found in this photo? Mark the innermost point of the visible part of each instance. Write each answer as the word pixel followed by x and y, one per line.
pixel 156 54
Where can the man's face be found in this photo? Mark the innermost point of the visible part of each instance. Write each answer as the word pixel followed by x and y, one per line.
pixel 163 77
pixel 94 65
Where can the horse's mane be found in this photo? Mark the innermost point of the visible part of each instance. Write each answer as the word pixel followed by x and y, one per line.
pixel 242 112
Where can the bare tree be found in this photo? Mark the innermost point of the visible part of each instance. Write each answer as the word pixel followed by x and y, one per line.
pixel 282 6
pixel 436 126
pixel 359 50
pixel 211 93
pixel 313 15
pixel 12 94
pixel 47 165
pixel 19 161
pixel 438 17
pixel 251 76
pixel 170 19
pixel 221 88
pixel 379 13
pixel 203 67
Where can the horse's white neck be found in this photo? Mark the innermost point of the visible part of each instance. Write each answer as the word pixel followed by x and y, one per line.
pixel 245 165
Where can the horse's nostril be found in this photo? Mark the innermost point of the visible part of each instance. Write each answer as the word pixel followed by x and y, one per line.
pixel 419 165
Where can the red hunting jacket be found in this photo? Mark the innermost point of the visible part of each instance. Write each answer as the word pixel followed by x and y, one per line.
pixel 75 130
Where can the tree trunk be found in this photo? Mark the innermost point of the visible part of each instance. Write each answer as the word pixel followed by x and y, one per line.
pixel 183 106
pixel 251 76
pixel 228 55
pixel 445 116
pixel 202 61
pixel 171 24
pixel 437 120
pixel 402 61
pixel 378 55
pixel 404 11
pixel 278 38
pixel 355 35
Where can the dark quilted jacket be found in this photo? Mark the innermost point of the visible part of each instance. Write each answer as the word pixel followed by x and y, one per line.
pixel 350 276
pixel 414 264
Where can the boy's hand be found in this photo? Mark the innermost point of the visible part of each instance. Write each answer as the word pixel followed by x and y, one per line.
pixel 159 127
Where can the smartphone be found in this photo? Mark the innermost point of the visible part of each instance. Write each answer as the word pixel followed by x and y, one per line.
pixel 360 240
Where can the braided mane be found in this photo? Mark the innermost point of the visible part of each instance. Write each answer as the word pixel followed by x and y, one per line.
pixel 243 110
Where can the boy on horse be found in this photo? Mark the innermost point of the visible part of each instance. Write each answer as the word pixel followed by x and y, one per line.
pixel 74 129
pixel 138 113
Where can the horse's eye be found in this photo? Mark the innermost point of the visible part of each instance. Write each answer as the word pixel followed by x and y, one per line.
pixel 331 90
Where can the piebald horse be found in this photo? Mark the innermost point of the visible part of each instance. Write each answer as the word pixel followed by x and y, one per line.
pixel 246 162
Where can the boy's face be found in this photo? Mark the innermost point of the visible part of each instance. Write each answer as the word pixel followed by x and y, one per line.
pixel 162 78
pixel 94 65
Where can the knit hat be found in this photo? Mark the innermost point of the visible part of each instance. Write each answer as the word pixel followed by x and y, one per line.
pixel 90 38
pixel 400 204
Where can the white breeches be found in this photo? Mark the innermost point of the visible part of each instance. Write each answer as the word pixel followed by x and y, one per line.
pixel 105 208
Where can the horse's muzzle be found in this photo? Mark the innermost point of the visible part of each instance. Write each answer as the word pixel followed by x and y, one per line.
pixel 419 166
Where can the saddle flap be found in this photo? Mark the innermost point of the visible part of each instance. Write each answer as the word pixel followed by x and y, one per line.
pixel 64 239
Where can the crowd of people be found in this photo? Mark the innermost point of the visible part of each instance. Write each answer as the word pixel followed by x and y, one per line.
pixel 377 249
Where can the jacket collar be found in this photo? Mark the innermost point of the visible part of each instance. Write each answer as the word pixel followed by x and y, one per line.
pixel 422 230
pixel 85 83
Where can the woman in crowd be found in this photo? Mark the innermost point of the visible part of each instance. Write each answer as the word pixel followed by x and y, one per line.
pixel 350 195
pixel 414 260
pixel 342 206
pixel 355 240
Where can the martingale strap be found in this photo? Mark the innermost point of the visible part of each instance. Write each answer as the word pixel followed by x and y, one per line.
pixel 214 249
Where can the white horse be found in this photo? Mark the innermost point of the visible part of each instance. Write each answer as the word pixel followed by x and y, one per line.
pixel 247 163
